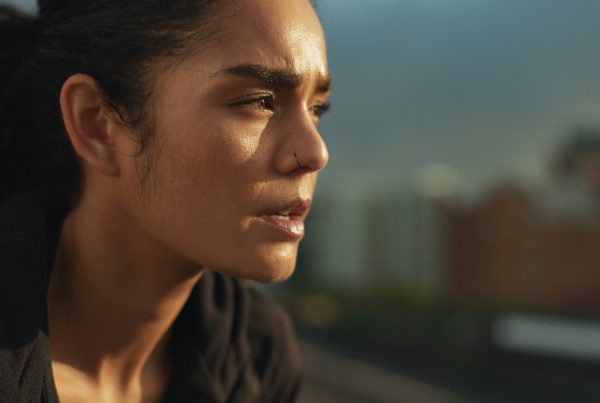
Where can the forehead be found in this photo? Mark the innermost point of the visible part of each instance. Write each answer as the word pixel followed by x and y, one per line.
pixel 282 34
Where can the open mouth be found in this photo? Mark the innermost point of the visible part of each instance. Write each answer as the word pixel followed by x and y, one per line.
pixel 295 210
pixel 288 218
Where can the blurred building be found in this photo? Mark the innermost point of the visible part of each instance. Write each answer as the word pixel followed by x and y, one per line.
pixel 402 239
pixel 362 238
pixel 532 249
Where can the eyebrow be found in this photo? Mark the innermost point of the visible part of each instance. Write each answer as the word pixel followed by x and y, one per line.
pixel 276 77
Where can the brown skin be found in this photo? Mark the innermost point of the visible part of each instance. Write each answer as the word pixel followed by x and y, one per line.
pixel 128 259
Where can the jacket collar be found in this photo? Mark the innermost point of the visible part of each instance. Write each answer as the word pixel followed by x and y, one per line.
pixel 27 238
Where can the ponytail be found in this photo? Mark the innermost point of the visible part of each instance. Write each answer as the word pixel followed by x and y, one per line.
pixel 17 43
pixel 35 154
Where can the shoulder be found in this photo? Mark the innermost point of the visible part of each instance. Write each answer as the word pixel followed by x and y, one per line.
pixel 273 347
pixel 264 335
pixel 23 281
pixel 270 328
pixel 239 340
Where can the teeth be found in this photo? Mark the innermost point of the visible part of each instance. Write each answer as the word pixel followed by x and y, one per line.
pixel 282 216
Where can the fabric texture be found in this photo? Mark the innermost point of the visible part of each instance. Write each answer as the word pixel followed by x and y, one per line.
pixel 231 343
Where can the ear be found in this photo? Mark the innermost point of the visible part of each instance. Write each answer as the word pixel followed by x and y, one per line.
pixel 90 126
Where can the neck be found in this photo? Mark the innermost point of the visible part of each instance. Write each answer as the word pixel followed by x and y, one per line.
pixel 113 295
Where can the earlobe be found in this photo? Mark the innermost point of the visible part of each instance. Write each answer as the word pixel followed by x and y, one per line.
pixel 88 123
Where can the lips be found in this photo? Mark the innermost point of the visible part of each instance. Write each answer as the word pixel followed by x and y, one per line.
pixel 288 217
pixel 296 209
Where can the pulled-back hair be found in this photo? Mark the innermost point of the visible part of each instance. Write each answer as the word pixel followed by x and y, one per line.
pixel 120 43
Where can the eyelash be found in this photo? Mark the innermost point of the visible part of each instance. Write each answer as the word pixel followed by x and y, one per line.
pixel 267 102
pixel 320 109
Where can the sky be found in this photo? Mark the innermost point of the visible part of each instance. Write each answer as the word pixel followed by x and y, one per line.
pixel 475 89
pixel 484 88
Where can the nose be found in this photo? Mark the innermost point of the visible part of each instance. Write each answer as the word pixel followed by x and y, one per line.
pixel 302 148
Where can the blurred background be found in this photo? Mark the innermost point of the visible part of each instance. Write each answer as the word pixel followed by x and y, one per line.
pixel 453 250
pixel 453 253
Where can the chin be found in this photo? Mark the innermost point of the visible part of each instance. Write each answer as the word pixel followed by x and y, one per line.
pixel 266 263
pixel 270 274
pixel 277 276
pixel 273 267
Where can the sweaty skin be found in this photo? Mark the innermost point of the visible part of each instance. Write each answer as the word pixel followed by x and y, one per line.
pixel 226 151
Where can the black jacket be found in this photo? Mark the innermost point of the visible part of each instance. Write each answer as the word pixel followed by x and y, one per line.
pixel 231 343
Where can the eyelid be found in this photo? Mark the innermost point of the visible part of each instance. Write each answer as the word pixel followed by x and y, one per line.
pixel 319 109
pixel 251 97
pixel 259 102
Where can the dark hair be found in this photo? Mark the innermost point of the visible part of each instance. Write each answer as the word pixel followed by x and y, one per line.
pixel 120 43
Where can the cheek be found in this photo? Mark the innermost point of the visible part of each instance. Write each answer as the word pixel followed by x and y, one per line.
pixel 214 142
pixel 237 147
pixel 210 172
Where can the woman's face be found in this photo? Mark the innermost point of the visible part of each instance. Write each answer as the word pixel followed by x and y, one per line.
pixel 235 155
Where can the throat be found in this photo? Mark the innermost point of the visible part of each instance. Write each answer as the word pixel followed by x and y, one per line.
pixel 74 385
pixel 110 314
pixel 85 372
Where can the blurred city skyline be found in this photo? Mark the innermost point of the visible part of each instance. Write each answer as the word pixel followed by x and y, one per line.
pixel 464 91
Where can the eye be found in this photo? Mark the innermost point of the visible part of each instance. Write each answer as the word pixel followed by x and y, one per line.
pixel 258 101
pixel 319 110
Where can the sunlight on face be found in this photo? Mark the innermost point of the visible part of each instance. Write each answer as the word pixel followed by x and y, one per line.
pixel 237 149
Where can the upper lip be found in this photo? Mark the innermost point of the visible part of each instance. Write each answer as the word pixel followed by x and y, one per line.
pixel 298 208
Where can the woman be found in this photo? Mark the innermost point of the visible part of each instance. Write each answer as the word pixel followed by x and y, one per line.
pixel 153 153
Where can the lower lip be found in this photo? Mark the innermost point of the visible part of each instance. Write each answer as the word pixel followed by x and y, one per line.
pixel 292 227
